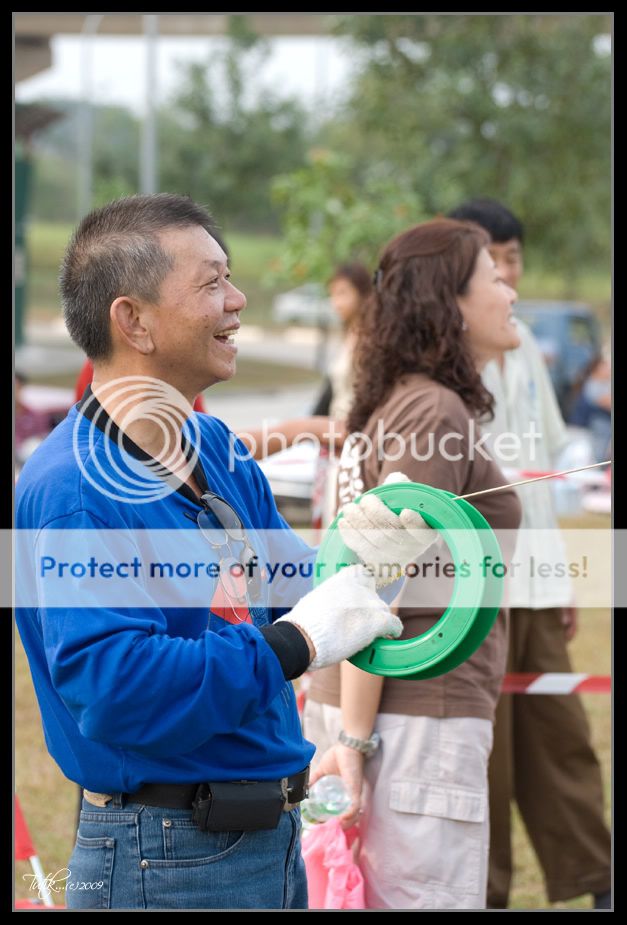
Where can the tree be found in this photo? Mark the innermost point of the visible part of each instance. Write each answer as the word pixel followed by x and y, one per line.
pixel 328 218
pixel 515 107
pixel 223 148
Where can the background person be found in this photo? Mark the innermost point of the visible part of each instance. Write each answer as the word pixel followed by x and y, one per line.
pixel 349 288
pixel 591 404
pixel 542 755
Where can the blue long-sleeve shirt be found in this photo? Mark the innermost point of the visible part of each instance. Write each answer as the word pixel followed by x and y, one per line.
pixel 146 693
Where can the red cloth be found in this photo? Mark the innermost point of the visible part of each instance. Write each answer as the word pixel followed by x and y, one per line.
pixel 84 378
pixel 24 848
pixel 228 607
pixel 87 373
pixel 199 404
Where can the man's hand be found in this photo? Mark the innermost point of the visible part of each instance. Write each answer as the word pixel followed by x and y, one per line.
pixel 569 622
pixel 348 764
pixel 385 541
pixel 342 616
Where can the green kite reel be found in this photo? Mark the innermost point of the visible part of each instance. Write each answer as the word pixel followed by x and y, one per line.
pixel 477 589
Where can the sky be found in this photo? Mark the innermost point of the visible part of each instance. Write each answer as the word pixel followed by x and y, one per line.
pixel 312 68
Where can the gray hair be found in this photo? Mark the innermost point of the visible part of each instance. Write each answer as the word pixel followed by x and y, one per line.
pixel 115 252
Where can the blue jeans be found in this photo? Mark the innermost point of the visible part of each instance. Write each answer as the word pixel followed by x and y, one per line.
pixel 148 857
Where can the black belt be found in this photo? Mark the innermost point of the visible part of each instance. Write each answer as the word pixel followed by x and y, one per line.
pixel 181 796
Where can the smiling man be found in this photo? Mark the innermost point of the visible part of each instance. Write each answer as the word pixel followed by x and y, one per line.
pixel 178 720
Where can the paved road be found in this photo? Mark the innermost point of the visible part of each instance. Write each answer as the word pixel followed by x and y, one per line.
pixel 249 410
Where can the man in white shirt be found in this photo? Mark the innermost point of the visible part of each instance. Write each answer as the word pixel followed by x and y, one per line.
pixel 542 756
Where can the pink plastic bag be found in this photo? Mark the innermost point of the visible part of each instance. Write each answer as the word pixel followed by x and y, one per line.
pixel 333 878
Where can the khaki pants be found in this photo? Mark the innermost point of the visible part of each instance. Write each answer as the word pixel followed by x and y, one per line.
pixel 425 828
pixel 543 759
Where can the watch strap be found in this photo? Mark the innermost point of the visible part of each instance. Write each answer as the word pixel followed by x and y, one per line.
pixel 365 746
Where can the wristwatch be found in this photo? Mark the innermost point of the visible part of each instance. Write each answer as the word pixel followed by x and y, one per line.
pixel 366 746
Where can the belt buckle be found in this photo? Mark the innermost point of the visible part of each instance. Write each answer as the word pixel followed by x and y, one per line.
pixel 287 790
pixel 306 771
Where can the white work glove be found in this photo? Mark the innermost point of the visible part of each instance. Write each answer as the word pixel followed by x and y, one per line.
pixel 343 615
pixel 385 541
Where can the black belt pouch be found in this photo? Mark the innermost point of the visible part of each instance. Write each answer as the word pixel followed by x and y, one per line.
pixel 229 806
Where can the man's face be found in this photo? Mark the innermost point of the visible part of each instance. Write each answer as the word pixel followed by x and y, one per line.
pixel 194 323
pixel 508 259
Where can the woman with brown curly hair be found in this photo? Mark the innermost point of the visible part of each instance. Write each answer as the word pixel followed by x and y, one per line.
pixel 413 754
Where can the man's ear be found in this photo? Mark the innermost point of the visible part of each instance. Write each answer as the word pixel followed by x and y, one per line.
pixel 130 324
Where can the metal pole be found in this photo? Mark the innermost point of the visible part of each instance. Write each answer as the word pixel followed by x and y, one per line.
pixel 321 79
pixel 148 154
pixel 85 117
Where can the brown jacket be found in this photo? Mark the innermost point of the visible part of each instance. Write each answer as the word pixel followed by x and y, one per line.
pixel 423 412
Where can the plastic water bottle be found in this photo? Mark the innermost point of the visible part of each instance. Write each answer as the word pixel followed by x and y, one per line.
pixel 327 797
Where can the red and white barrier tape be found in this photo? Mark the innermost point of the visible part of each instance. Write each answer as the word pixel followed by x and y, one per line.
pixel 546 683
pixel 556 683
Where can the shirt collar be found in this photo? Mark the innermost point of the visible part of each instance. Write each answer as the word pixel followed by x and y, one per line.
pixel 93 411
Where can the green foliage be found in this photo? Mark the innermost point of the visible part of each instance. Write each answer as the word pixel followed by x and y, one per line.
pixel 329 218
pixel 222 149
pixel 218 142
pixel 516 107
pixel 116 155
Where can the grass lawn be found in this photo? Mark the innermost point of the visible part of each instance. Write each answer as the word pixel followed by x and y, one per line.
pixel 590 653
pixel 49 800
